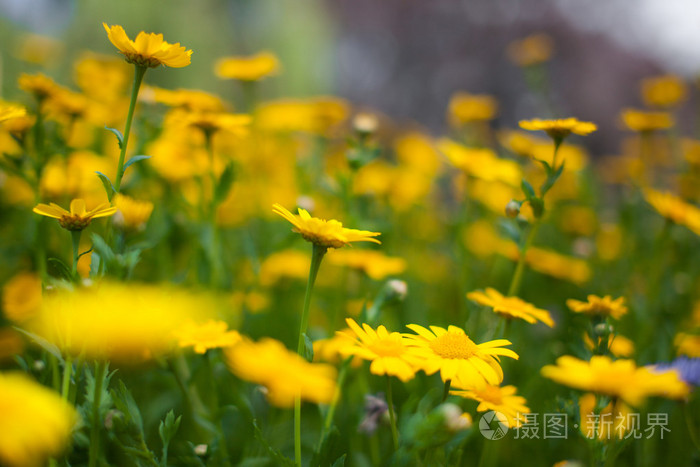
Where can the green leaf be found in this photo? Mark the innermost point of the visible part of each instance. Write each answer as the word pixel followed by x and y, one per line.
pixel 118 134
pixel 133 160
pixel 527 189
pixel 308 348
pixel 223 187
pixel 166 430
pixel 537 207
pixel 63 269
pixel 43 343
pixel 102 248
pixel 340 462
pixel 279 458
pixel 107 183
pixel 551 180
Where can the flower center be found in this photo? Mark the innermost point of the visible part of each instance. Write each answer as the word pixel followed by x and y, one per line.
pixel 454 345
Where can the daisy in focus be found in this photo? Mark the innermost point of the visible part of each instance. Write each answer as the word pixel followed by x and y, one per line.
pixel 78 218
pixel 324 233
pixel 149 49
pixel 511 307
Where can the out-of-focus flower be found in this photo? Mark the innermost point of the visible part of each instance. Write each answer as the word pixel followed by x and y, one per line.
pixel 103 78
pixel 455 419
pixel 555 264
pixel 687 368
pixel 500 399
pixel 131 213
pixel 481 163
pixel 560 128
pixel 209 335
pixel 192 100
pixel 365 123
pixel 579 220
pixel 318 115
pixel 330 349
pixel 78 218
pixel 124 322
pixel 253 301
pixel 388 351
pixel 328 234
pixel 288 263
pixel 149 49
pixel 599 306
pixel 663 91
pixel 21 297
pixel 39 50
pixel 211 122
pixel 687 344
pixel 644 121
pixel 674 209
pixel 248 68
pixel 375 409
pixel 11 343
pixel 606 423
pixel 619 378
pixel 618 345
pixel 457 357
pixel 467 108
pixel 531 50
pixel 35 422
pixel 609 241
pixel 285 374
pixel 373 263
pixel 39 85
pixel 9 111
pixel 511 307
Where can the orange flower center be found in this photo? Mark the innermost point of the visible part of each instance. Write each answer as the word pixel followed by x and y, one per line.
pixel 454 345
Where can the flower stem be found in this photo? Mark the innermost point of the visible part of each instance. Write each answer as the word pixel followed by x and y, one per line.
pixel 316 258
pixel 514 287
pixel 100 369
pixel 67 370
pixel 691 426
pixel 75 238
pixel 328 421
pixel 139 71
pixel 392 415
pixel 446 391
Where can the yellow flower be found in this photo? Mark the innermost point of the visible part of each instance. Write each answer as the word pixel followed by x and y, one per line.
pixel 211 122
pixel 555 264
pixel 559 129
pixel 285 374
pixel 328 234
pixel 103 78
pixel 125 322
pixel 148 50
pixel 618 345
pixel 511 307
pixel 597 306
pixel 35 422
pixel 317 115
pixel 531 50
pixel 21 297
pixel 251 68
pixel 641 120
pixel 131 213
pixel 388 351
pixel 457 357
pixel 663 91
pixel 674 209
pixel 78 218
pixel 373 263
pixel 467 108
pixel 40 85
pixel 603 424
pixel 482 163
pixel 500 399
pixel 330 349
pixel 10 111
pixel 687 344
pixel 192 100
pixel 209 335
pixel 288 263
pixel 619 378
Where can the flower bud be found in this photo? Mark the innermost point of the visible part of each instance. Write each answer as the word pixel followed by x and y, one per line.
pixel 512 209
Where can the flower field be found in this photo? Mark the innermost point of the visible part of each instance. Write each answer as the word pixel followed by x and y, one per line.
pixel 197 278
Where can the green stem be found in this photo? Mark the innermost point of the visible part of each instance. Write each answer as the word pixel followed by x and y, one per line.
pixel 446 390
pixel 100 369
pixel 514 287
pixel 392 415
pixel 75 238
pixel 67 370
pixel 215 248
pixel 316 258
pixel 139 71
pixel 691 426
pixel 328 421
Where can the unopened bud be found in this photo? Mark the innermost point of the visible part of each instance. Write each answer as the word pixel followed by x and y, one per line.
pixel 306 202
pixel 365 123
pixel 512 209
pixel 201 450
pixel 398 289
pixel 455 419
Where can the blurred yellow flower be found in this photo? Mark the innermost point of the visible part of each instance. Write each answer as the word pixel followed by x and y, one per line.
pixel 39 50
pixel 644 121
pixel 21 297
pixel 388 351
pixel 148 50
pixel 373 263
pixel 252 302
pixel 606 423
pixel 674 209
pixel 482 163
pixel 39 85
pixel 560 128
pixel 248 68
pixel 208 335
pixel 119 321
pixel 211 122
pixel 619 378
pixel 457 357
pixel 531 50
pixel 131 213
pixel 9 111
pixel 317 115
pixel 192 100
pixel 618 345
pixel 288 263
pixel 609 241
pixel 554 264
pixel 329 350
pixel 103 78
pixel 511 307
pixel 599 306
pixel 328 234
pixel 285 374
pixel 466 108
pixel 78 218
pixel 663 91
pixel 500 399
pixel 35 422
pixel 687 344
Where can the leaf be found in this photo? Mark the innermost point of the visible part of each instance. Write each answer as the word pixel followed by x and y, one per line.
pixel 329 444
pixel 107 183
pixel 133 160
pixel 340 462
pixel 308 348
pixel 223 187
pixel 279 458
pixel 118 134
pixel 43 343
pixel 102 249
pixel 63 269
pixel 527 189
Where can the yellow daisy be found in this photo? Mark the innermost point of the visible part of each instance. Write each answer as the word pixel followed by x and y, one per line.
pixel 328 234
pixel 619 378
pixel 511 307
pixel 674 209
pixel 251 68
pixel 9 111
pixel 209 335
pixel 388 351
pixel 78 218
pixel 131 213
pixel 559 129
pixel 595 305
pixel 500 399
pixel 642 120
pixel 148 50
pixel 457 357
